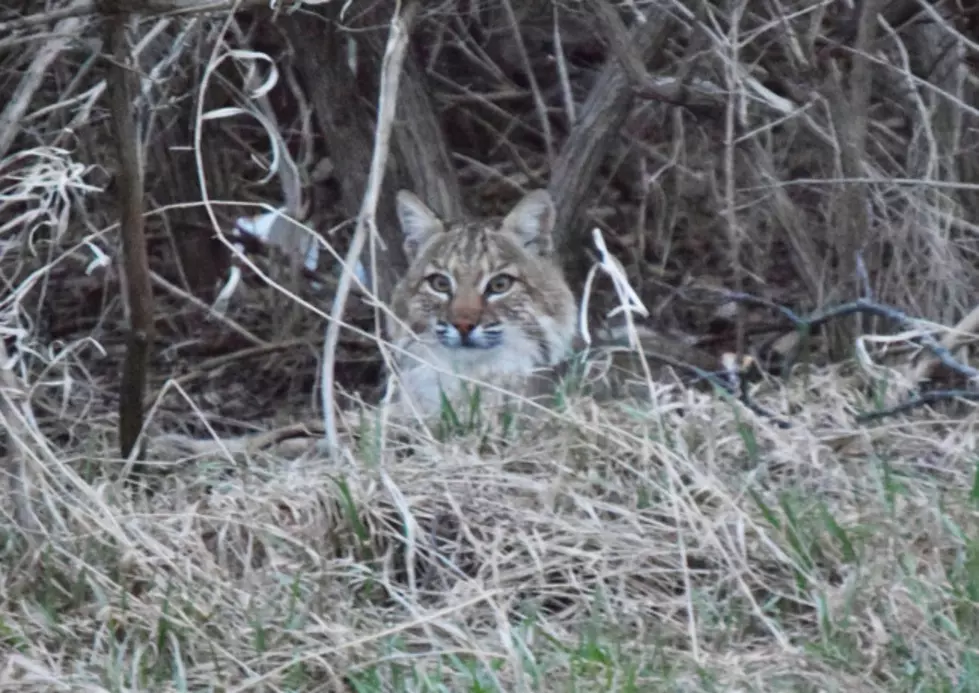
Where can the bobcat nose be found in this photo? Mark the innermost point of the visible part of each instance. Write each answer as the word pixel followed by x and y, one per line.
pixel 464 327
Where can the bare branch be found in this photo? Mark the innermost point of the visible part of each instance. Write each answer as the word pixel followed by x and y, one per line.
pixel 129 180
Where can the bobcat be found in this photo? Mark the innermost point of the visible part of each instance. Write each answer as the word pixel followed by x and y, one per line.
pixel 480 300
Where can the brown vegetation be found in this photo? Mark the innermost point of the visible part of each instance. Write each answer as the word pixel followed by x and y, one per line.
pixel 748 163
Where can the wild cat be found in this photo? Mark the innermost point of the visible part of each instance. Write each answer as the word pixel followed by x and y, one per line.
pixel 481 301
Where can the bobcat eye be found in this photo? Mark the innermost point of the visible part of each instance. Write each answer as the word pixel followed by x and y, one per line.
pixel 440 283
pixel 499 284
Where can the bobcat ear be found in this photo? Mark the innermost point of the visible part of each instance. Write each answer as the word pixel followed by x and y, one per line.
pixel 418 222
pixel 532 221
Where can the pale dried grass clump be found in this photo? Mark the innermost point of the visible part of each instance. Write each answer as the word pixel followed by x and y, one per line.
pixel 690 545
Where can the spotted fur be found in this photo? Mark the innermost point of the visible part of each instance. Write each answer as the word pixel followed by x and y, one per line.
pixel 483 300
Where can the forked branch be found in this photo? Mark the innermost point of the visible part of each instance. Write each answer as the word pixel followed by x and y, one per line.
pixel 599 122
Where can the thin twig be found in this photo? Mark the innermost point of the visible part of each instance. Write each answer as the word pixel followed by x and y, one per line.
pixel 34 76
pixel 545 122
pixel 394 55
pixel 922 400
pixel 86 8
pixel 861 306
pixel 205 368
pixel 14 417
pixel 940 352
pixel 232 325
pixel 562 70
pixel 951 341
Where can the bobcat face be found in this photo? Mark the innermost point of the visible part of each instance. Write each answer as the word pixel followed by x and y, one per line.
pixel 483 297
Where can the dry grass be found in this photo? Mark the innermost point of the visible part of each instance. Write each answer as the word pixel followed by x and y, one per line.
pixel 689 546
pixel 686 545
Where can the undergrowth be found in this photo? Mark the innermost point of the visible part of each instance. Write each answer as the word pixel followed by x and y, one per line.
pixel 693 546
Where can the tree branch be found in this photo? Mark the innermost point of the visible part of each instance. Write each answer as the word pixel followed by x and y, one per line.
pixel 129 181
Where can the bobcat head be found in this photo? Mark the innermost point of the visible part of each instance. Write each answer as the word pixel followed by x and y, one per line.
pixel 480 298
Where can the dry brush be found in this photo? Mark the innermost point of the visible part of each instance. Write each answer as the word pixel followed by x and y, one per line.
pixel 761 170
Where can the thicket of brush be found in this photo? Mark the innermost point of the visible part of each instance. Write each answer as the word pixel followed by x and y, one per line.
pixel 805 154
